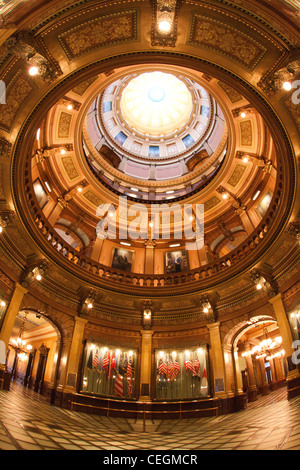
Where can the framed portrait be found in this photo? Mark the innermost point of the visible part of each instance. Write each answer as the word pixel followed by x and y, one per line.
pixel 40 193
pixel 176 261
pixel 122 259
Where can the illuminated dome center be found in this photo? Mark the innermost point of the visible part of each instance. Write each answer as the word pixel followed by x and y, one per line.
pixel 156 103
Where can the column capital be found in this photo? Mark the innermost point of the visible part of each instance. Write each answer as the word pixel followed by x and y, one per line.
pixel 275 299
pixel 20 288
pixel 213 325
pixel 80 320
pixel 147 332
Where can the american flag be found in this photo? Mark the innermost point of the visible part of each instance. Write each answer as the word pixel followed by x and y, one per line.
pixel 176 368
pixel 196 367
pixel 188 364
pixel 129 375
pixel 162 368
pixel 118 388
pixel 105 364
pixel 96 360
pixel 112 364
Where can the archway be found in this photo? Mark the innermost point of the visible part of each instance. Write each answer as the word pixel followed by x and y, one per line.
pixel 34 351
pixel 258 359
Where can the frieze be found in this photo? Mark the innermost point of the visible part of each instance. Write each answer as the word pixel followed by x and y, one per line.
pixel 99 32
pixel 226 40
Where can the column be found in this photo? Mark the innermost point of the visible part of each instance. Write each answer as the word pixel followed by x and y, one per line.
pixel 287 338
pixel 96 250
pixel 274 384
pixel 73 355
pixel 60 206
pixel 149 258
pixel 265 385
pixel 11 313
pixel 146 355
pixel 217 360
pixel 246 221
pixel 252 389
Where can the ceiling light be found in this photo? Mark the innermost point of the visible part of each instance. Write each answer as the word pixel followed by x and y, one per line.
pixel 2 303
pixel 124 243
pixel 1 229
pixel 70 107
pixel 287 86
pixel 256 195
pixel 173 246
pixel 38 277
pixel 63 151
pixel 225 196
pixel 134 189
pixel 79 189
pixel 258 286
pixel 38 134
pixel 90 305
pixel 245 159
pixel 164 26
pixel 33 71
pixel 205 310
pixel 243 114
pixel 170 192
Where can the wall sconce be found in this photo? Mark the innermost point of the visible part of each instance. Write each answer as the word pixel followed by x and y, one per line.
pixel 147 315
pixel 88 303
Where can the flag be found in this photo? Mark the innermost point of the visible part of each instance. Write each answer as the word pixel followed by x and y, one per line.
pixel 105 364
pixel 162 368
pixel 176 369
pixel 118 388
pixel 196 367
pixel 187 364
pixel 99 367
pixel 96 360
pixel 112 364
pixel 204 380
pixel 129 375
pixel 90 361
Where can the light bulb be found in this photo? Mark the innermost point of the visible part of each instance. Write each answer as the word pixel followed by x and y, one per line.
pixel 258 286
pixel 33 71
pixel 38 277
pixel 287 86
pixel 90 305
pixel 164 26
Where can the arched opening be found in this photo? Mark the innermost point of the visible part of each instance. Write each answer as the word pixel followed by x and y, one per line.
pixel 259 361
pixel 34 351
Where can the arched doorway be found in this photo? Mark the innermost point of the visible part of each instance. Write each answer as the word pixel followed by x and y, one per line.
pixel 34 351
pixel 258 356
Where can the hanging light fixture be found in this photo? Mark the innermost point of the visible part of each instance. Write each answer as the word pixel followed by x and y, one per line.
pixel 265 347
pixel 19 343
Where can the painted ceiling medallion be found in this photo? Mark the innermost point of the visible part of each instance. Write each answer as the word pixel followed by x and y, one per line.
pixel 156 103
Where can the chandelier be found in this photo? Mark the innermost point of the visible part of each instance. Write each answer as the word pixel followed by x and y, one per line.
pixel 268 348
pixel 20 344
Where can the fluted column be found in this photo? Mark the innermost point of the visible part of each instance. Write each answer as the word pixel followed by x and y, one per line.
pixel 265 385
pixel 146 355
pixel 71 355
pixel 11 313
pixel 217 360
pixel 252 389
pixel 293 375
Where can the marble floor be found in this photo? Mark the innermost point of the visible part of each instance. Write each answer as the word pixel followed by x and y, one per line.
pixel 28 422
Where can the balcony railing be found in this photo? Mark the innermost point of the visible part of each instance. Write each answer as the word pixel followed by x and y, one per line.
pixel 106 273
